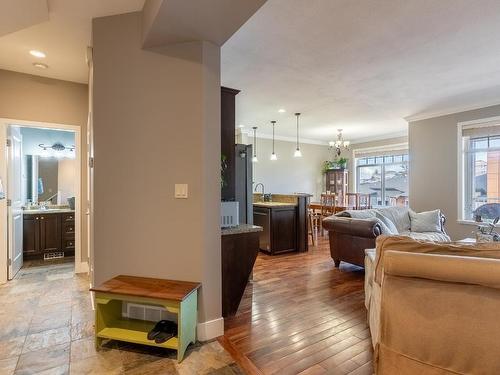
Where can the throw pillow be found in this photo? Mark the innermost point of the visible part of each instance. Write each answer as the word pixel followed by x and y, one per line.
pixel 398 215
pixel 428 221
pixel 388 223
pixel 384 228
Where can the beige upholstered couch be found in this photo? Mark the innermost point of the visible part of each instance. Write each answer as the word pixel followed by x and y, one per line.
pixel 434 308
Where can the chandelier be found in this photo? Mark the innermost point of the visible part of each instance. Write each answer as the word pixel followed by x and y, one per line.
pixel 340 144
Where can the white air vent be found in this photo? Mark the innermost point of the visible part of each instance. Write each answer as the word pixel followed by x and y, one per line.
pixel 229 214
pixel 150 313
pixel 56 255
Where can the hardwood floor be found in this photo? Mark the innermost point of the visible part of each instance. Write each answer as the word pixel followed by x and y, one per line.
pixel 300 315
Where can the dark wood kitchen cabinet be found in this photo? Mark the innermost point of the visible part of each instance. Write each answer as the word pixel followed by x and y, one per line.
pixel 279 225
pixel 48 233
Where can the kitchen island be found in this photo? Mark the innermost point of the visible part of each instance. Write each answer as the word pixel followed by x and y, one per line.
pixel 284 222
pixel 240 247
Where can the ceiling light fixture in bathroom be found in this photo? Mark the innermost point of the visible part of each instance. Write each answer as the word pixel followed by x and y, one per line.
pixel 57 150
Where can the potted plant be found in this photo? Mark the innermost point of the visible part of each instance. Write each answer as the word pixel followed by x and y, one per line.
pixel 340 163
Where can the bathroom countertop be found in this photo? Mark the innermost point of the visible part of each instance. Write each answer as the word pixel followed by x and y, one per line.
pixel 49 211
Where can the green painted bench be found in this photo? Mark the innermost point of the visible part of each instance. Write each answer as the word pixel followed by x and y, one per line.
pixel 177 297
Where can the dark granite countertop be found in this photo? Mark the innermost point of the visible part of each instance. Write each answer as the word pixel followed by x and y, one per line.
pixel 242 228
pixel 274 204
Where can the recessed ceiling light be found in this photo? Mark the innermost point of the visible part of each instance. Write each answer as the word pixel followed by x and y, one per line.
pixel 281 110
pixel 241 126
pixel 40 65
pixel 38 54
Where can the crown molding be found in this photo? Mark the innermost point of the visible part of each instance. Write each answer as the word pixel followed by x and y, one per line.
pixel 449 111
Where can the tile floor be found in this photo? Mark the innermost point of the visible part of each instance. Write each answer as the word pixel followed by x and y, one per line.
pixel 46 328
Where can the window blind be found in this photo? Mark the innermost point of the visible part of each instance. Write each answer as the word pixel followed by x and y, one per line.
pixel 388 152
pixel 481 130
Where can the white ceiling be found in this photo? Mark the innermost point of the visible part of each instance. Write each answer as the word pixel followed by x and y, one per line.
pixel 362 65
pixel 354 64
pixel 64 37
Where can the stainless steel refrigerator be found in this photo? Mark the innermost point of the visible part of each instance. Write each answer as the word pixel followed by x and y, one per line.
pixel 243 182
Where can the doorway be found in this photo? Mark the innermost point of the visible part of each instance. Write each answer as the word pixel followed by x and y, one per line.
pixel 42 183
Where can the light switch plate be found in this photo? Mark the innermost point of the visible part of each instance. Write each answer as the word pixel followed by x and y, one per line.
pixel 181 191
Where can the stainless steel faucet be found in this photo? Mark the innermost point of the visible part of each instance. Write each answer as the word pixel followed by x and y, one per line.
pixel 47 201
pixel 260 184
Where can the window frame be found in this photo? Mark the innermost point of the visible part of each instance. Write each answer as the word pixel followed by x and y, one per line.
pixel 462 189
pixel 387 154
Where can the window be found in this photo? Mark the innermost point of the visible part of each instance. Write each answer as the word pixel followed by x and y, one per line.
pixel 384 177
pixel 481 172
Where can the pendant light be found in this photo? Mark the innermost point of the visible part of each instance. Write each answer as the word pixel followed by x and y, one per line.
pixel 273 155
pixel 297 152
pixel 254 158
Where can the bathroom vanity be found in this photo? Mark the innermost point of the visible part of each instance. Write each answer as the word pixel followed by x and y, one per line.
pixel 48 233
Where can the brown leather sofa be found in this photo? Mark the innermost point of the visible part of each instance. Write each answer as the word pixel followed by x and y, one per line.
pixel 349 237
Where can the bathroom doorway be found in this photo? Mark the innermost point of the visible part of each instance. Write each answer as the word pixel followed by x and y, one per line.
pixel 42 190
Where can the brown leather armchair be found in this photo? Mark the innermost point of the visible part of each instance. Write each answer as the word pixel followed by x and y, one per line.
pixel 350 237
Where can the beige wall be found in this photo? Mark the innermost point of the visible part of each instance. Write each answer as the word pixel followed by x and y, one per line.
pixel 289 174
pixel 33 98
pixel 156 123
pixel 434 165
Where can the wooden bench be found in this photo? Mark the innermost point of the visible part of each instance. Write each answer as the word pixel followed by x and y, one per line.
pixel 177 297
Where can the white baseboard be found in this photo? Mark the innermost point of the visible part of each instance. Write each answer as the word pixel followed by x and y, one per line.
pixel 81 267
pixel 210 330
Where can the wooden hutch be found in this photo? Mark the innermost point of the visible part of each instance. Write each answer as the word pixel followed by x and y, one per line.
pixel 337 181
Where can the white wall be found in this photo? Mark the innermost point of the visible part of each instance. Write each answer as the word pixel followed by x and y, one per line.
pixel 289 174
pixel 434 165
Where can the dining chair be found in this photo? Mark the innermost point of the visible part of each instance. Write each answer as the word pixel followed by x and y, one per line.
pixel 311 226
pixel 364 201
pixel 328 203
pixel 352 201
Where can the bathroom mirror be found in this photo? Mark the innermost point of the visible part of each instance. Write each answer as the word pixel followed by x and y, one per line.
pixel 49 179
